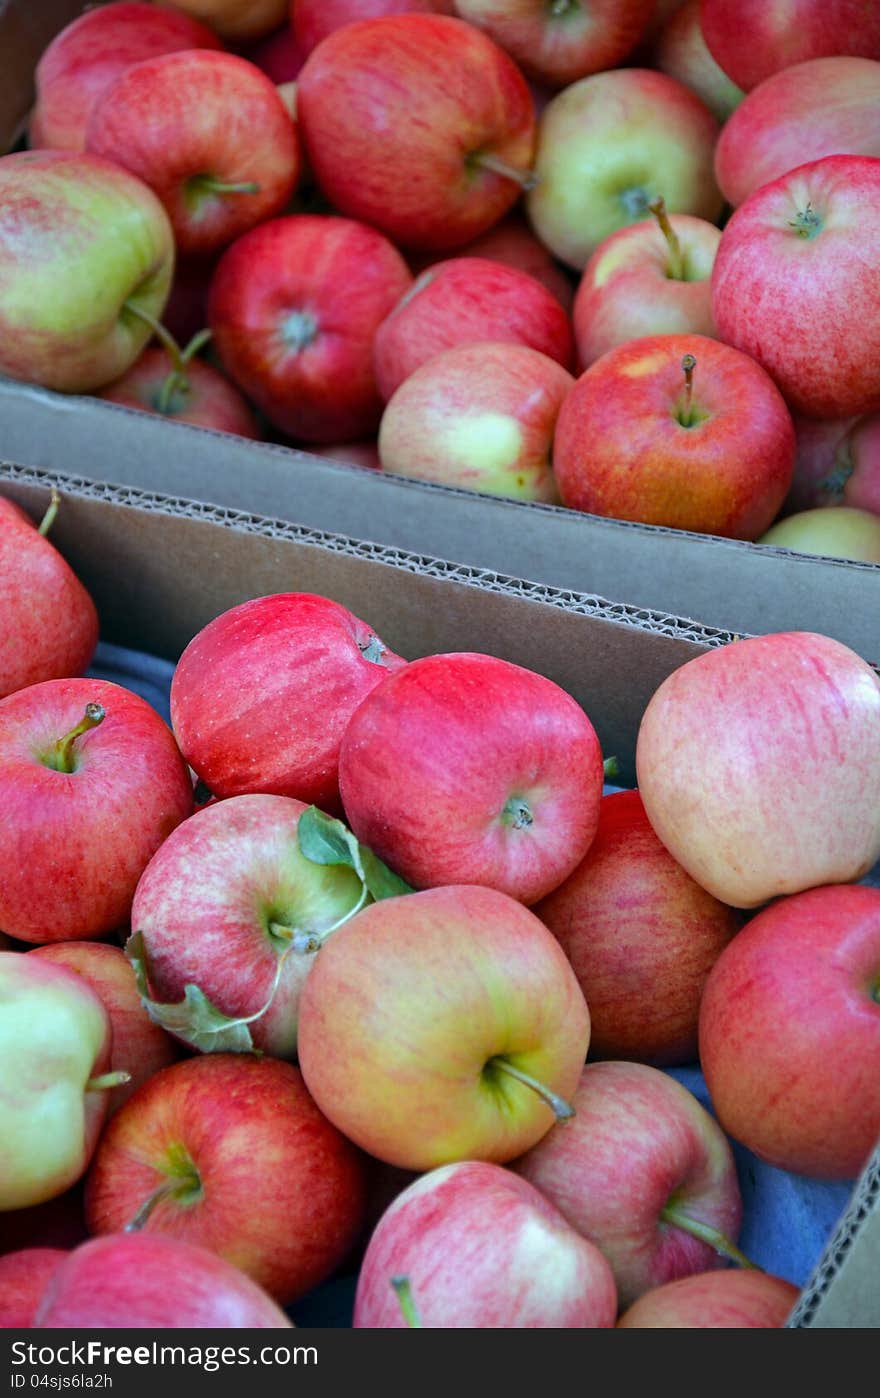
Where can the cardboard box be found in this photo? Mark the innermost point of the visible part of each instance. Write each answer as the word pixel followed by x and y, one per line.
pixel 724 583
pixel 159 568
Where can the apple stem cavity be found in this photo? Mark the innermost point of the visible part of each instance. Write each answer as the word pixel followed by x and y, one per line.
pixel 408 1308
pixel 675 268
pixel 707 1234
pixel 686 416
pixel 61 757
pixel 105 1081
pixel 49 517
pixel 611 768
pixel 486 160
pixel 562 1110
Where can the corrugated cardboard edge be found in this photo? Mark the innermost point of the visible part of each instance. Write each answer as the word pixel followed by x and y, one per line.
pixel 844 1290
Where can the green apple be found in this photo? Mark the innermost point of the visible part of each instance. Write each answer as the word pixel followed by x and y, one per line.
pixel 835 531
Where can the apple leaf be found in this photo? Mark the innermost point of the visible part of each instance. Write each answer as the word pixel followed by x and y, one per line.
pixel 324 840
pixel 194 1020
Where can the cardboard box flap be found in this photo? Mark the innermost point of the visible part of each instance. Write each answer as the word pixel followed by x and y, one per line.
pixel 844 1291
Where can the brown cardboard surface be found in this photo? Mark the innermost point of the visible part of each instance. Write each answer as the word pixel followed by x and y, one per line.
pixel 159 568
pixel 735 586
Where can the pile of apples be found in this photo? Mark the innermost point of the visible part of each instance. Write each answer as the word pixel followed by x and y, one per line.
pixel 622 256
pixel 356 969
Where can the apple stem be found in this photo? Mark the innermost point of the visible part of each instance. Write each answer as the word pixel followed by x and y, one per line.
pixel 164 1191
pixel 177 381
pixel 688 365
pixel 558 1106
pixel 106 1081
pixel 165 338
pixel 63 753
pixel 526 179
pixel 707 1234
pixel 215 186
pixel 298 939
pixel 49 517
pixel 676 256
pixel 611 768
pixel 409 1309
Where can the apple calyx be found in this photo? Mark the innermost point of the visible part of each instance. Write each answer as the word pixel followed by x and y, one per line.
pixel 299 329
pixel 62 756
pixel 48 519
pixel 517 813
pixel 686 413
pixel 675 266
pixel 106 1081
pixel 636 202
pixel 673 1214
pixel 409 1310
pixel 562 1110
pixel 611 769
pixel 497 165
pixel 806 222
pixel 373 650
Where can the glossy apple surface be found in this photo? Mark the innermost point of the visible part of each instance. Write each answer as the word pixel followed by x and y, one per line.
pixel 682 53
pixel 23 1279
pixel 232 20
pixel 731 1300
pixel 314 20
pixel 512 242
pixel 558 43
pixel 831 531
pixel 202 396
pixel 756 38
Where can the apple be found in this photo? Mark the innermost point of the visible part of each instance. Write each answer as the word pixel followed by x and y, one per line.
pixel 178 386
pixel 681 52
pixel 140 1048
pixel 262 695
pixel 756 38
pixel 365 454
pixel 86 259
pixel 143 1281
pixel 230 1153
pixel 89 54
pixel 290 338
pixel 481 417
pixel 642 937
pixel 645 1173
pixel 759 764
pixel 737 1300
pixel 831 531
pixel 560 42
pixel 650 278
pixel 855 478
pixel 500 783
pixel 608 146
pixel 479 1248
pixel 209 134
pixel 50 625
pixel 815 462
pixel 512 242
pixel 463 301
pixel 231 906
pixel 313 20
pixel 240 21
pixel 796 284
pixel 679 431
pixel 825 107
pixel 93 783
pixel 23 1279
pixel 280 55
pixel 392 141
pixel 442 1026
pixel 55 1040
pixel 790 1032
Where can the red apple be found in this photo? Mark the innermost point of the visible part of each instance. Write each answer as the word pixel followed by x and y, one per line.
pixel 815 462
pixel 93 783
pixel 826 107
pixel 832 532
pixel 512 242
pixel 293 654
pixel 481 417
pixel 651 278
pixel 681 52
pixel 392 141
pixel 186 310
pixel 23 1279
pixel 479 1248
pixel 796 284
pixel 732 1300
pixel 680 431
pixel 855 478
pixel 296 345
pixel 644 1172
pixel 611 144
pixel 50 625
pixel 280 55
pixel 229 1152
pixel 642 937
pixel 558 43
pixel 500 784
pixel 364 454
pixel 313 20
pixel 759 764
pixel 443 1026
pixel 231 906
pixel 239 20
pixel 209 134
pixel 790 1032
pixel 756 38
pixel 88 56
pixel 465 300
pixel 86 260
pixel 139 1281
pixel 186 391
pixel 140 1048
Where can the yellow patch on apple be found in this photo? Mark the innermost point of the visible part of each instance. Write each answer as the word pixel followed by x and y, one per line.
pixel 486 441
